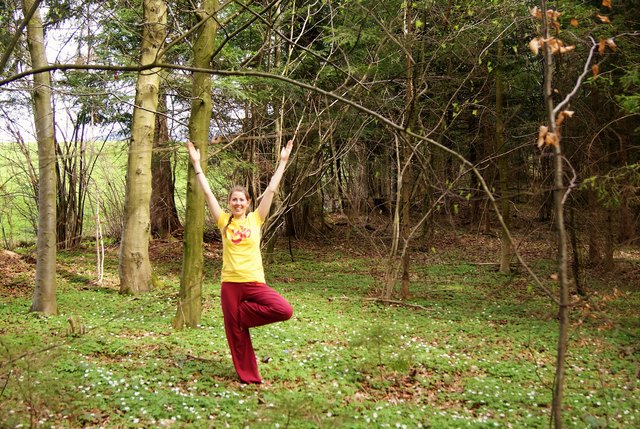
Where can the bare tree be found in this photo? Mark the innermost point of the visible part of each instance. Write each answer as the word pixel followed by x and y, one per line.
pixel 549 138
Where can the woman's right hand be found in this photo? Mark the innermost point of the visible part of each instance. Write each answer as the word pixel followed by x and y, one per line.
pixel 194 153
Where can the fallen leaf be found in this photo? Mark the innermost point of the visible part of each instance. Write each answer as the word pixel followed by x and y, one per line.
pixel 612 44
pixel 606 3
pixel 603 18
pixel 596 70
pixel 574 22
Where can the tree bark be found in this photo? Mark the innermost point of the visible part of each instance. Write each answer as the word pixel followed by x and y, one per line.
pixel 44 294
pixel 410 122
pixel 134 264
pixel 505 242
pixel 189 308
pixel 72 172
pixel 561 234
pixel 164 214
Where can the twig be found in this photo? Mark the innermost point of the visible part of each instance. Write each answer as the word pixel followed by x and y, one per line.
pixel 585 71
pixel 382 300
pixel 402 303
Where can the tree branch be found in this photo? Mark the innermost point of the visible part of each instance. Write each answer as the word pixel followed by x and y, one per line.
pixel 382 119
pixel 14 41
pixel 585 71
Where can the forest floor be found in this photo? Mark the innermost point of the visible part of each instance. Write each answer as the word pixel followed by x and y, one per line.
pixel 470 348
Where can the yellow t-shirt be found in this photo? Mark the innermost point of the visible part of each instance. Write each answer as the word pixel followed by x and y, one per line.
pixel 241 258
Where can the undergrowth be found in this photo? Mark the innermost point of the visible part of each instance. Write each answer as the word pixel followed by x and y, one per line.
pixel 471 348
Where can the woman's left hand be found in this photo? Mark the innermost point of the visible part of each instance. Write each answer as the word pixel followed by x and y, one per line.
pixel 286 151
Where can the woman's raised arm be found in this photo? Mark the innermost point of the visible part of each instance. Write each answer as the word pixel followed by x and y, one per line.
pixel 212 202
pixel 267 197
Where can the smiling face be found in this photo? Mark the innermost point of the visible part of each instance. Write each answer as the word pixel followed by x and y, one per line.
pixel 238 203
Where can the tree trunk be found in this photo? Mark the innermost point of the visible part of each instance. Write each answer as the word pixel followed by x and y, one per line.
pixel 276 205
pixel 44 294
pixel 164 215
pixel 410 122
pixel 72 176
pixel 576 265
pixel 505 242
pixel 609 241
pixel 561 234
pixel 627 227
pixel 563 310
pixel 190 297
pixel 134 265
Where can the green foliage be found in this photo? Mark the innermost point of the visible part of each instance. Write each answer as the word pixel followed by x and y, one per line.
pixel 58 12
pixel 620 184
pixel 630 101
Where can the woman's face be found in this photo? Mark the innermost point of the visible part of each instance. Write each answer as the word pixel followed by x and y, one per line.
pixel 238 204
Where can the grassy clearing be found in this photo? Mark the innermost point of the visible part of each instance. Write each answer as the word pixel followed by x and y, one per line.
pixel 18 208
pixel 481 355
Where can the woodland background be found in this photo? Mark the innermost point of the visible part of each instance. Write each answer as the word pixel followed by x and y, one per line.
pixel 412 121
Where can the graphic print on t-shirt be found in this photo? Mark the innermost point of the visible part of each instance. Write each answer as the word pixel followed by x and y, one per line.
pixel 239 234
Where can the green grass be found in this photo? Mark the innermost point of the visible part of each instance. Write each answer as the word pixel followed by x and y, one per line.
pixel 480 355
pixel 18 208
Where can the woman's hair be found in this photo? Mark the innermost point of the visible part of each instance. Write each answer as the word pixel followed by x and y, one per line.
pixel 239 188
pixel 236 188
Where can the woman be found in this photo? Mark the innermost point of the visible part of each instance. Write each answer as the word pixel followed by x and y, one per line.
pixel 246 299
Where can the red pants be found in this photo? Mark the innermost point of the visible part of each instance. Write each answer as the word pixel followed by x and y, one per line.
pixel 244 306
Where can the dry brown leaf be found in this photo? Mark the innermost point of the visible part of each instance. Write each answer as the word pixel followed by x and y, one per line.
pixel 553 14
pixel 565 49
pixel 535 12
pixel 562 116
pixel 603 18
pixel 606 3
pixel 554 44
pixel 596 70
pixel 558 47
pixel 552 139
pixel 535 45
pixel 574 22
pixel 602 44
pixel 612 44
pixel 541 135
